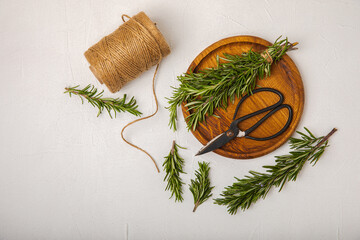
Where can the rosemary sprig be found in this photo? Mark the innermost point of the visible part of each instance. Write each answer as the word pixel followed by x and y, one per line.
pixel 91 94
pixel 173 166
pixel 200 187
pixel 248 190
pixel 211 88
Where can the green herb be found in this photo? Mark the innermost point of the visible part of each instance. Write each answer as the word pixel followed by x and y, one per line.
pixel 211 88
pixel 248 190
pixel 173 166
pixel 200 187
pixel 91 94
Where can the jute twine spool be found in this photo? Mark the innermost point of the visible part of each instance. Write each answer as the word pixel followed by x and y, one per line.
pixel 123 55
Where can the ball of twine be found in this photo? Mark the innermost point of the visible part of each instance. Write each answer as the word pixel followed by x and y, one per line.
pixel 123 55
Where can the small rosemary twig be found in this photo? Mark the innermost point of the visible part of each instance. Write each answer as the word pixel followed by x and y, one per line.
pixel 110 104
pixel 200 187
pixel 173 166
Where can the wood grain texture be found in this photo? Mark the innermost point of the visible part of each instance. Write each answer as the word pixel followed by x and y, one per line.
pixel 285 77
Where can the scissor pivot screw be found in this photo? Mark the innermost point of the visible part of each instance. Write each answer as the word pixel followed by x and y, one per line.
pixel 230 134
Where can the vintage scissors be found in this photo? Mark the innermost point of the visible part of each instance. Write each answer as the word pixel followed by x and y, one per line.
pixel 234 130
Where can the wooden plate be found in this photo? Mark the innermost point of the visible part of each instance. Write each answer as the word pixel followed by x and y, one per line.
pixel 285 77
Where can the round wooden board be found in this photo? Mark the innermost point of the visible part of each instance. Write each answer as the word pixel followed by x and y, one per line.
pixel 285 77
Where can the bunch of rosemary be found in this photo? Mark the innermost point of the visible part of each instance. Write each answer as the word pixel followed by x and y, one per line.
pixel 91 94
pixel 248 190
pixel 173 166
pixel 211 88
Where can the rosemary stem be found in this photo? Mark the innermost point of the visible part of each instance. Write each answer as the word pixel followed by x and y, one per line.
pixel 78 93
pixel 173 147
pixel 196 206
pixel 325 138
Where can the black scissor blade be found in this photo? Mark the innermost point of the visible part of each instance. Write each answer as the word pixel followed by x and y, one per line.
pixel 215 143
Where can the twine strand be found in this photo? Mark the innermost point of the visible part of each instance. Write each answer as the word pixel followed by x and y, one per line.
pixel 140 119
pixel 124 15
pixel 266 55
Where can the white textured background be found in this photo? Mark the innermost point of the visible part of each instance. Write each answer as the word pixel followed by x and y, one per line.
pixel 65 174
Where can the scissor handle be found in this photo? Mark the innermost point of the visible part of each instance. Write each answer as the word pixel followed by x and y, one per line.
pixel 243 118
pixel 256 125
